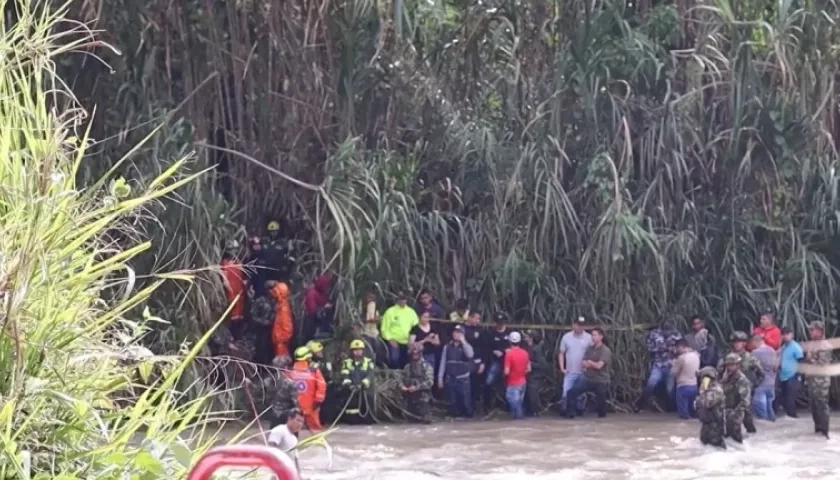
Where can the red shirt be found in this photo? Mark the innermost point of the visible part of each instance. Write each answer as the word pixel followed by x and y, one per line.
pixel 772 337
pixel 516 362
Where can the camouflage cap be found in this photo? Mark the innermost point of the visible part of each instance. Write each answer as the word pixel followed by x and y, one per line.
pixel 707 372
pixel 738 336
pixel 817 326
pixel 732 358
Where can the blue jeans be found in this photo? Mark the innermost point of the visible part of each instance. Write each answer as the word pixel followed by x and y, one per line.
pixel 762 403
pixel 659 375
pixel 685 401
pixel 569 380
pixel 396 356
pixel 460 397
pixel 494 373
pixel 515 397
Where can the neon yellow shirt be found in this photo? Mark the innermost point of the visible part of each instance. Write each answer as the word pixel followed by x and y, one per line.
pixel 397 323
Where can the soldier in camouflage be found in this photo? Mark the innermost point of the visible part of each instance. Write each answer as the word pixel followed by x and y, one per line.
pixel 709 406
pixel 736 390
pixel 818 353
pixel 417 382
pixel 281 391
pixel 750 367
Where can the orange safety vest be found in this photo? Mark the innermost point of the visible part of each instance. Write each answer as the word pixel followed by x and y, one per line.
pixel 310 384
pixel 234 288
pixel 283 329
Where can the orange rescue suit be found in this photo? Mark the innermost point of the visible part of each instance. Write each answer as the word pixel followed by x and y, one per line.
pixel 283 329
pixel 312 390
pixel 234 288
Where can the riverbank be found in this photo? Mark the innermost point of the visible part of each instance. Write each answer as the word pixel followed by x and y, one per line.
pixel 620 447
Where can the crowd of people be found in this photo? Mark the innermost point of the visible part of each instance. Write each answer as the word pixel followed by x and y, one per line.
pixel 469 365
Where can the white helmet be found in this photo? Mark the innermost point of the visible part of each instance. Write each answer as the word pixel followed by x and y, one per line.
pixel 515 337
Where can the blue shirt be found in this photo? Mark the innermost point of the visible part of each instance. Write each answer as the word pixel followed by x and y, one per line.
pixel 791 354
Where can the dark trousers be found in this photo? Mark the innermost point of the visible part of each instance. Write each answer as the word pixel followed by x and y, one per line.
pixel 585 385
pixel 476 386
pixel 264 347
pixel 460 398
pixel 533 404
pixel 397 356
pixel 790 390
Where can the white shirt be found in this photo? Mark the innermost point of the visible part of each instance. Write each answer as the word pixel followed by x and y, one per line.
pixel 280 437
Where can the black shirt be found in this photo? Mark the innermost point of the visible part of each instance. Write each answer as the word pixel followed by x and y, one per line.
pixel 476 337
pixel 419 335
pixel 497 341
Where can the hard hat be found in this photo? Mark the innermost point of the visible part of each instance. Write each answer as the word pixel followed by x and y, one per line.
pixel 273 226
pixel 357 345
pixel 515 337
pixel 315 347
pixel 738 337
pixel 732 358
pixel 303 353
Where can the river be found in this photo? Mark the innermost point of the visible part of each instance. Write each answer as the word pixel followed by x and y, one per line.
pixel 622 446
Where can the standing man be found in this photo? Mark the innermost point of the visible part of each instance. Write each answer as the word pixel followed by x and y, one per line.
pixel 768 329
pixel 461 312
pixel 661 343
pixel 709 406
pixel 818 353
pixel 517 367
pixel 277 253
pixel 284 436
pixel 417 382
pixel 685 371
pixel 736 389
pixel 311 387
pixel 572 348
pixel 454 374
pixel 790 357
pixel 749 368
pixel 701 341
pixel 497 343
pixel 764 393
pixel 596 375
pixel 396 328
pixel 475 335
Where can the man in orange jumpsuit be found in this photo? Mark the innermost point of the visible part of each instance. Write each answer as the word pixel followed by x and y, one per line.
pixel 234 286
pixel 283 329
pixel 311 387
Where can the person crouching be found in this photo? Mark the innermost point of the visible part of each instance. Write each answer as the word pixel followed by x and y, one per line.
pixel 418 379
pixel 356 382
pixel 709 407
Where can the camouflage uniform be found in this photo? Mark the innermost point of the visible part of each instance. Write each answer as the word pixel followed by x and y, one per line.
pixel 709 406
pixel 818 386
pixel 736 389
pixel 751 368
pixel 420 375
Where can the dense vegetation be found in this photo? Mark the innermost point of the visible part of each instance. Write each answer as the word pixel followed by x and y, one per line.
pixel 79 398
pixel 622 160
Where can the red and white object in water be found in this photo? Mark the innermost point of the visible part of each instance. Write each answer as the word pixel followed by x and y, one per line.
pixel 244 456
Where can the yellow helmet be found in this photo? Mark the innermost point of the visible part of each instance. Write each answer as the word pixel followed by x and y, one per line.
pixel 273 226
pixel 315 347
pixel 357 344
pixel 303 353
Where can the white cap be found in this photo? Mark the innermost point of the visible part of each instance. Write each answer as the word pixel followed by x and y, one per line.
pixel 515 337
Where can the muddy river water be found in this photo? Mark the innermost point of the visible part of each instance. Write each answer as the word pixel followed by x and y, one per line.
pixel 619 447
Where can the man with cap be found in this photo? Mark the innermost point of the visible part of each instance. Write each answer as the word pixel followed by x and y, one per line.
pixel 818 352
pixel 709 406
pixel 767 328
pixel 277 253
pixel 736 390
pixel 454 373
pixel 497 343
pixel 750 368
pixel 597 362
pixel 417 382
pixel 395 329
pixel 789 358
pixel 517 366
pixel 319 361
pixel 356 382
pixel 572 348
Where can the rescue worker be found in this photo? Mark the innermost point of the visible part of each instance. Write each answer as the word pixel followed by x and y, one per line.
pixel 282 329
pixel 709 407
pixel 418 379
pixel 356 382
pixel 819 353
pixel 318 360
pixel 311 387
pixel 280 390
pixel 736 390
pixel 234 277
pixel 277 254
pixel 750 367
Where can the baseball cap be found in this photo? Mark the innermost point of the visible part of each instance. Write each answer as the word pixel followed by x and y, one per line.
pixel 580 319
pixel 501 318
pixel 515 337
pixel 459 328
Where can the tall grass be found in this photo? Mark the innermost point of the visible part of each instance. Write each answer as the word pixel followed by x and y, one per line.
pixel 69 350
